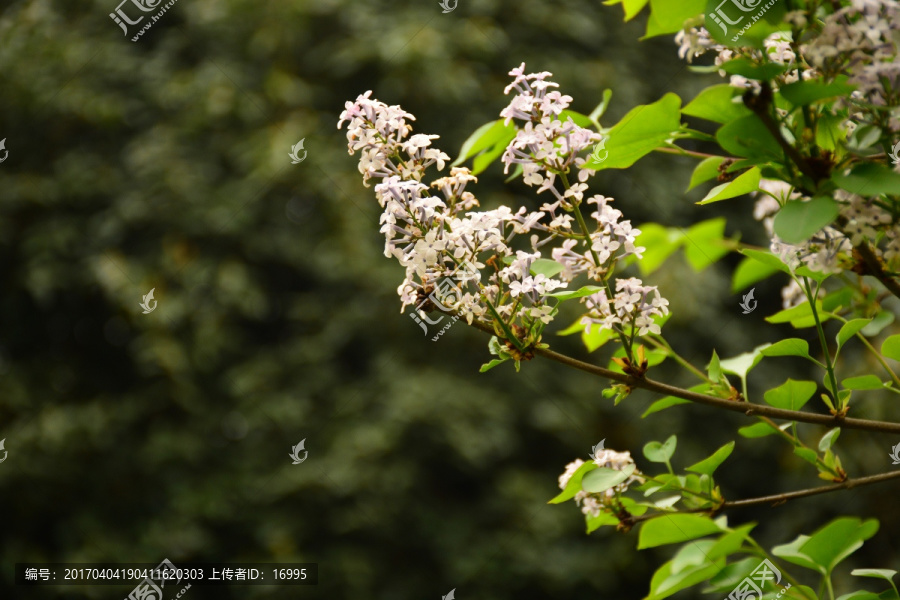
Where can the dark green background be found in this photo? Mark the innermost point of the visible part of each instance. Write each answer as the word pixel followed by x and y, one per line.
pixel 164 164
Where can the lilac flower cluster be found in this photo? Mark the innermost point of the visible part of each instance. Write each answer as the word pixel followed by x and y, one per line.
pixel 442 235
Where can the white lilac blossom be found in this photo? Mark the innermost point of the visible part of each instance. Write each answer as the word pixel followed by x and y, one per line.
pixel 544 146
pixel 633 304
pixel 593 504
pixel 464 260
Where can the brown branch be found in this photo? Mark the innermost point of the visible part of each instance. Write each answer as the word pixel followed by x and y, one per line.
pixel 774 499
pixel 747 408
pixel 876 269
pixel 845 485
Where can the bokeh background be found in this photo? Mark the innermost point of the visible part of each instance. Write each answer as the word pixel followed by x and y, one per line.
pixel 164 164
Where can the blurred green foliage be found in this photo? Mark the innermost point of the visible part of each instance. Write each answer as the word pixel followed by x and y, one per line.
pixel 164 164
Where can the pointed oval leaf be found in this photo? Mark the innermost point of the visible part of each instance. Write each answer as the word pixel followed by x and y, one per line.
pixel 797 221
pixel 574 484
pixel 788 347
pixel 891 347
pixel 674 529
pixel 660 452
pixel 708 465
pixel 791 395
pixel 603 478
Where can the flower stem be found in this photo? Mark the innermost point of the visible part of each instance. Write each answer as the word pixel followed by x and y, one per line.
pixel 829 366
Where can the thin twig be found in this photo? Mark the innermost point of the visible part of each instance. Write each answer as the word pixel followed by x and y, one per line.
pixel 746 408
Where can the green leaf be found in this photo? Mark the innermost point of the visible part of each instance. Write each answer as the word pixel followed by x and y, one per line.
pixel 861 595
pixel 600 110
pixel 748 272
pixel 864 137
pixel 660 452
pixel 849 329
pixel 801 93
pixel 767 258
pixel 596 337
pixel 577 118
pixel 741 364
pixel 800 316
pixel 672 577
pixel 730 542
pixel 720 103
pixel 792 552
pixel 829 439
pixel 788 347
pixel 797 221
pixel 632 7
pixel 574 484
pixel 707 169
pixel 703 243
pixel 752 70
pixel 886 574
pixel 490 139
pixel 869 179
pixel 664 403
pixel 748 137
pixel 660 242
pixel 759 430
pixel 806 454
pixel 891 347
pixel 546 267
pixel 490 365
pixel 673 529
pixel 579 293
pixel 836 541
pixel 714 368
pixel 830 133
pixel 602 478
pixel 791 395
pixel 879 322
pixel 641 131
pixel 708 465
pixel 744 184
pixel 595 523
pixel 862 382
pixel 668 17
pixel 829 545
pixel 726 23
